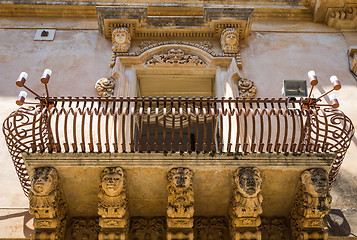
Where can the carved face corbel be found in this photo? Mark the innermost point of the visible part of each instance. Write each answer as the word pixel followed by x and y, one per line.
pixel 248 181
pixel 230 40
pixel 44 181
pixel 121 40
pixel 180 177
pixel 112 181
pixel 315 182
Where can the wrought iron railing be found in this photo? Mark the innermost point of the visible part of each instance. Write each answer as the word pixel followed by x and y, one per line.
pixel 192 125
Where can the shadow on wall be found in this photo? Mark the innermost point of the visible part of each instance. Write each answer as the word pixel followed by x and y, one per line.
pixel 26 218
pixel 337 224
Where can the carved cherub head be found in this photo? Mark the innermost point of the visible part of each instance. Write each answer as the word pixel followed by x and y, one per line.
pixel 315 182
pixel 180 177
pixel 230 40
pixel 121 40
pixel 248 181
pixel 43 181
pixel 113 181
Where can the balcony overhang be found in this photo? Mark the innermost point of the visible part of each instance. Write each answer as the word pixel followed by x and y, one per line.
pixel 174 22
pixel 146 178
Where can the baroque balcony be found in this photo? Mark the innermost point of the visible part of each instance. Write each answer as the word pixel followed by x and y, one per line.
pixel 175 125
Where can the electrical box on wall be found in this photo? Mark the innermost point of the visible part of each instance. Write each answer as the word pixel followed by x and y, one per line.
pixel 294 88
pixel 45 34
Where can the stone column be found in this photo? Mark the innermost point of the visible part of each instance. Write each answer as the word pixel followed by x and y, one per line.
pixel 113 205
pixel 312 202
pixel 47 204
pixel 180 207
pixel 246 205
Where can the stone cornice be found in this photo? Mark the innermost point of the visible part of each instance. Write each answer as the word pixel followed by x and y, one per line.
pixel 342 18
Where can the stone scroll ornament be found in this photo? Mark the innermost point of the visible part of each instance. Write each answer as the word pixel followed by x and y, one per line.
pixel 230 40
pixel 113 204
pixel 47 204
pixel 105 87
pixel 180 207
pixel 246 204
pixel 312 202
pixel 247 88
pixel 121 40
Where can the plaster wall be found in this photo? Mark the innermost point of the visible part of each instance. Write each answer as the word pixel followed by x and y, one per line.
pixel 79 56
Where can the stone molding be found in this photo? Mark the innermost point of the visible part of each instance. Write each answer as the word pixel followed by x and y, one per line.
pixel 47 204
pixel 342 18
pixel 113 204
pixel 246 205
pixel 312 202
pixel 208 24
pixel 180 208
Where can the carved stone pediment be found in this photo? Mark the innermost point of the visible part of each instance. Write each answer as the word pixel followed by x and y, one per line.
pixel 175 57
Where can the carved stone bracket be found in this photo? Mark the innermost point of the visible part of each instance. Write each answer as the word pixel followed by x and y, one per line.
pixel 47 204
pixel 246 205
pixel 113 204
pixel 246 88
pixel 342 18
pixel 180 207
pixel 105 87
pixel 312 202
pixel 175 57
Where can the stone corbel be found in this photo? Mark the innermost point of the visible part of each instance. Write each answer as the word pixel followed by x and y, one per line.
pixel 47 204
pixel 312 202
pixel 230 40
pixel 180 207
pixel 246 208
pixel 113 205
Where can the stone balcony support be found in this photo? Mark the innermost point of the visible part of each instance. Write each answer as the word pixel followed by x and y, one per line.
pixel 312 202
pixel 47 204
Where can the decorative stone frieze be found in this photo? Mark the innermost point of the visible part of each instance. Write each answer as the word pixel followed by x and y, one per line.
pixel 175 57
pixel 214 228
pixel 312 202
pixel 47 204
pixel 85 229
pixel 121 40
pixel 342 18
pixel 274 229
pixel 180 207
pixel 113 204
pixel 230 40
pixel 246 205
pixel 105 87
pixel 246 88
pixel 147 228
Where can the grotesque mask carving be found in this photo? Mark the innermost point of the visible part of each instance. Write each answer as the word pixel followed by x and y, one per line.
pixel 121 40
pixel 44 181
pixel 230 40
pixel 248 181
pixel 315 181
pixel 180 199
pixel 112 181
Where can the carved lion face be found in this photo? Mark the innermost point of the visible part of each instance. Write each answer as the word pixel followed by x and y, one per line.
pixel 180 177
pixel 248 181
pixel 112 181
pixel 315 181
pixel 43 181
